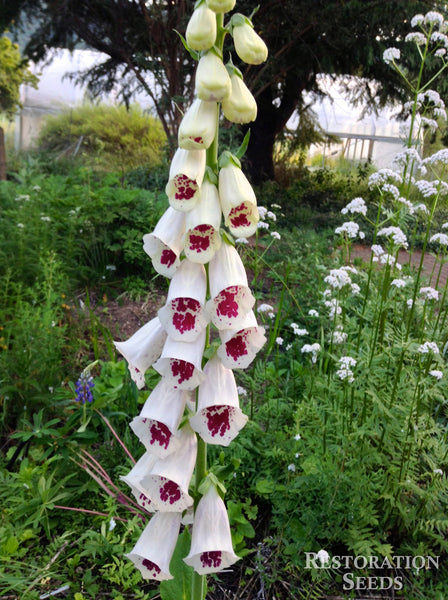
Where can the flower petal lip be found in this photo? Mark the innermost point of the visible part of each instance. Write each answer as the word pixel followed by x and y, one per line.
pixel 181 362
pixel 238 201
pixel 248 44
pixel 219 418
pixel 202 238
pixel 164 244
pixel 239 347
pixel 212 80
pixel 197 129
pixel 201 29
pixel 185 179
pixel 169 478
pixel 183 315
pixel 159 419
pixel 142 349
pixel 240 106
pixel 154 549
pixel 211 543
pixel 134 478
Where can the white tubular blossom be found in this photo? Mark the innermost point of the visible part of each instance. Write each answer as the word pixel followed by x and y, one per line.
pixel 164 244
pixel 198 126
pixel 201 29
pixel 202 238
pixel 239 347
pixel 181 362
pixel 248 44
pixel 221 6
pixel 238 201
pixel 240 106
pixel 185 179
pixel 212 79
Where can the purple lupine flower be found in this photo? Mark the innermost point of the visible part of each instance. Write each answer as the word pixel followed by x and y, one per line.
pixel 84 387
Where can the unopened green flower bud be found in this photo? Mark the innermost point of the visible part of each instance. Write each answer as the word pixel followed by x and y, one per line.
pixel 212 78
pixel 201 29
pixel 240 105
pixel 248 44
pixel 221 6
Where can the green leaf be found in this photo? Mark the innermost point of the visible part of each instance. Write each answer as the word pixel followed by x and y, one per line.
pixel 179 588
pixel 194 55
pixel 242 149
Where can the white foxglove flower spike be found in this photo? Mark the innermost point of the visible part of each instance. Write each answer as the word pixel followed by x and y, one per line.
pixel 159 419
pixel 239 347
pixel 212 79
pixel 211 543
pixel 201 29
pixel 240 106
pixel 184 316
pixel 202 237
pixel 134 480
pixel 248 44
pixel 155 547
pixel 219 417
pixel 169 478
pixel 164 244
pixel 142 349
pixel 198 126
pixel 231 298
pixel 180 362
pixel 238 201
pixel 185 179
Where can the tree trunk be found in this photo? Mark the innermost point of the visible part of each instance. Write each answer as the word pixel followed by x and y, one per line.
pixel 2 155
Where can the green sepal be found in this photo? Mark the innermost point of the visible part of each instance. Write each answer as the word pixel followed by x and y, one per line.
pixel 226 158
pixel 210 352
pixel 232 69
pixel 210 175
pixel 209 480
pixel 242 149
pixel 195 55
pixel 198 3
pixel 227 237
pixel 237 20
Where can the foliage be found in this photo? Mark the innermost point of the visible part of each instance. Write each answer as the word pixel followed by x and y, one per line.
pixel 107 137
pixel 14 72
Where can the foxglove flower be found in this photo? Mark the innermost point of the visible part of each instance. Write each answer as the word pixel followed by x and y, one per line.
pixel 201 29
pixel 239 347
pixel 134 480
pixel 248 44
pixel 180 362
pixel 202 237
pixel 142 349
pixel 198 126
pixel 240 105
pixel 169 478
pixel 159 419
pixel 238 201
pixel 221 6
pixel 185 179
pixel 183 315
pixel 155 547
pixel 219 417
pixel 212 79
pixel 164 244
pixel 231 298
pixel 211 543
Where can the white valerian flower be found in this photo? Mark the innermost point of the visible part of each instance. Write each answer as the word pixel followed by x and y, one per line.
pixel 248 44
pixel 142 349
pixel 357 205
pixel 417 20
pixel 265 308
pixel 434 18
pixel 437 374
pixel 297 437
pixel 167 482
pixel 441 238
pixel 181 362
pixel 390 55
pixel 339 336
pixel 398 283
pixel 438 472
pixel 428 347
pixel 159 419
pixel 231 298
pixel 212 79
pixel 429 293
pixel 202 237
pixel 417 37
pixel 276 235
pixel 112 524
pixel 292 467
pixel 395 234
pixel 239 346
pixel 221 6
pixel 279 341
pixel 313 313
pixel 334 307
pixel 164 244
pixel 185 178
pixel 297 330
pixel 349 228
pixel 155 547
pixel 312 349
pixel 201 28
pixel 345 372
pixel 211 542
pixel 183 315
pixel 238 201
pixel 197 129
pixel 338 278
pixel 218 418
pixel 240 105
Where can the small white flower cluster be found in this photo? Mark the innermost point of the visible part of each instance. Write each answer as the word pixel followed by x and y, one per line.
pixel 434 18
pixel 339 336
pixel 338 278
pixel 389 188
pixel 428 347
pixel 334 307
pixel 379 178
pixel 345 372
pixel 297 330
pixel 430 124
pixel 313 313
pixel 265 308
pixel 390 55
pixel 437 374
pixel 357 205
pixel 398 283
pixel 429 293
pixel 312 349
pixel 350 229
pixel 264 214
pixel 439 157
pixel 417 37
pixel 396 234
pixel 440 238
pixel 406 157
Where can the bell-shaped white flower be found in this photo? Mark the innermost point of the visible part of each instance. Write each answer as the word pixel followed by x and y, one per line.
pixel 212 80
pixel 184 316
pixel 134 480
pixel 201 29
pixel 221 6
pixel 248 44
pixel 239 347
pixel 211 542
pixel 155 547
pixel 202 237
pixel 185 178
pixel 240 106
pixel 164 244
pixel 142 349
pixel 159 419
pixel 198 126
pixel 218 418
pixel 180 362
pixel 168 480
pixel 238 201
pixel 231 298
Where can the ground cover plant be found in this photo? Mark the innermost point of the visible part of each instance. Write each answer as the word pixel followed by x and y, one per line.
pixel 345 452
